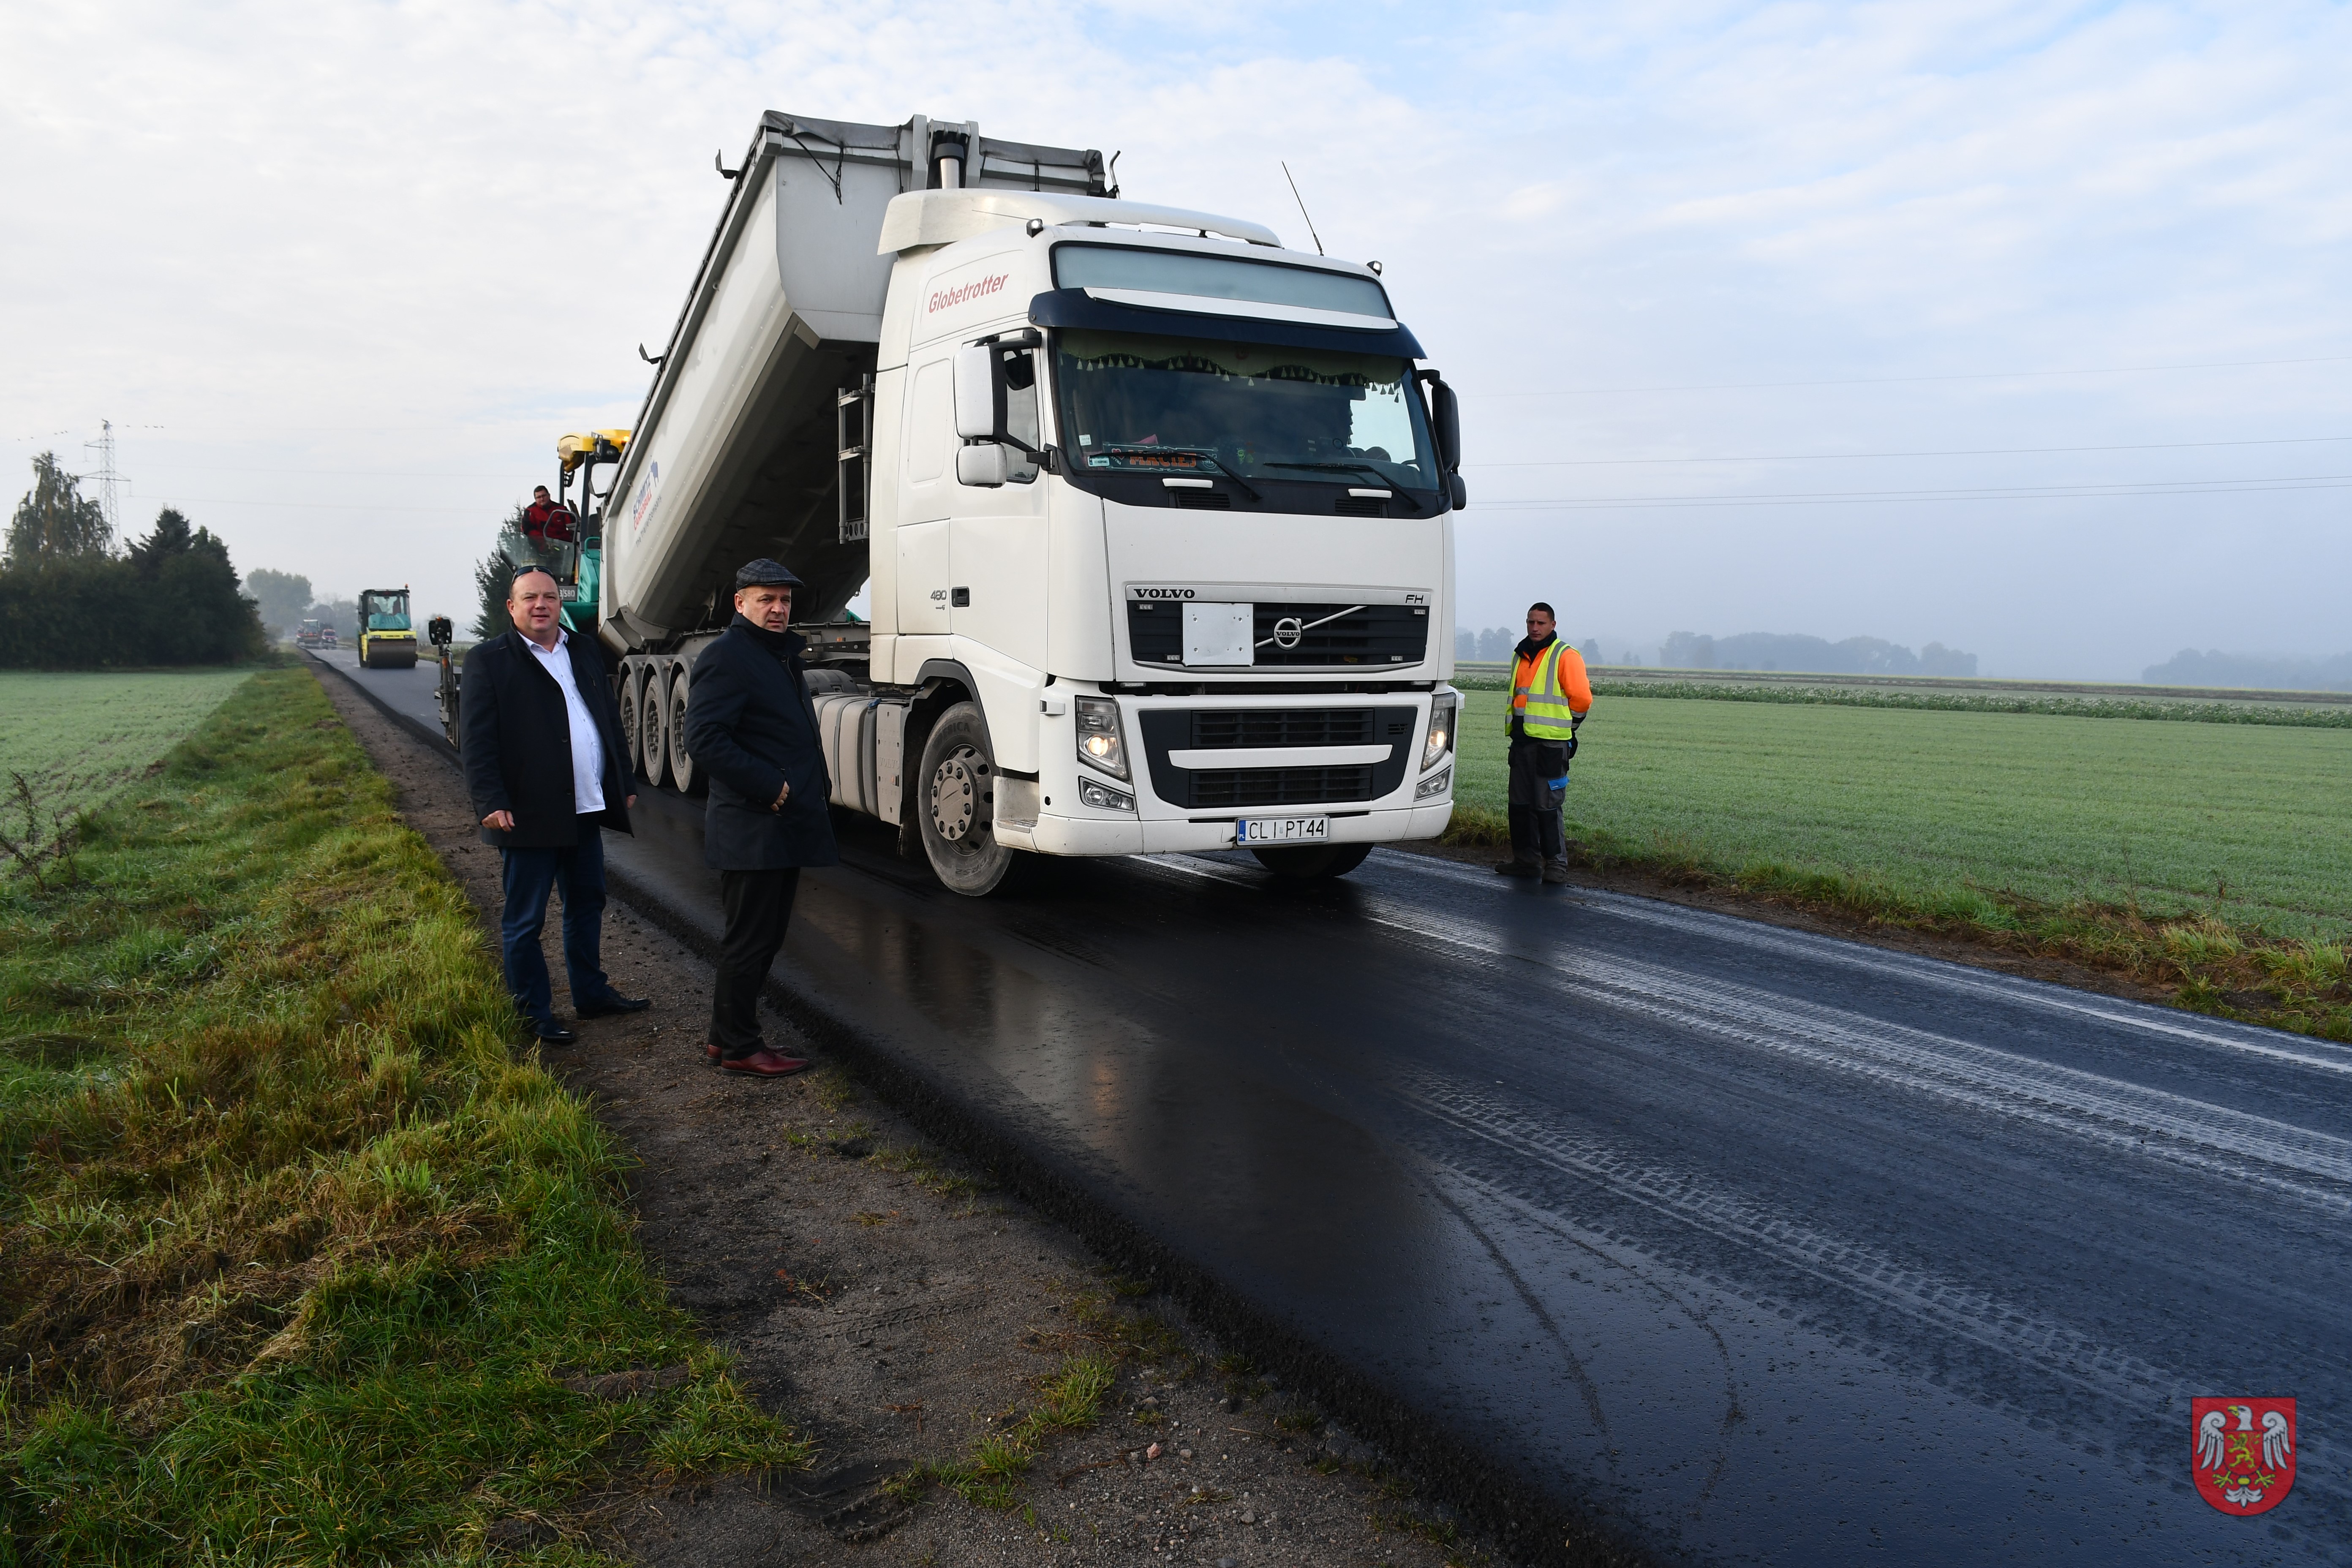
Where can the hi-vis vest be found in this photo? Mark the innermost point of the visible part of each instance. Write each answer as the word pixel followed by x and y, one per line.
pixel 1547 716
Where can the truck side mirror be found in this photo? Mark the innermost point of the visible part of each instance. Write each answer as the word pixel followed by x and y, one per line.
pixel 979 394
pixel 1445 419
pixel 984 463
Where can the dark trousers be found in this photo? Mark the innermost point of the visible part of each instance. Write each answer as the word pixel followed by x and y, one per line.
pixel 578 874
pixel 1539 791
pixel 759 907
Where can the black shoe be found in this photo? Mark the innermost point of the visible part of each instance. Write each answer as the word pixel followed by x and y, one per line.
pixel 556 1034
pixel 605 1006
pixel 1554 873
pixel 1518 868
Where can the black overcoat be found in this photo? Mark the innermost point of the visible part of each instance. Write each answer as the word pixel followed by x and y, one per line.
pixel 750 725
pixel 518 741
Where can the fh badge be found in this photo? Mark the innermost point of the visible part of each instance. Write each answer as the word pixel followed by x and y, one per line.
pixel 2245 1452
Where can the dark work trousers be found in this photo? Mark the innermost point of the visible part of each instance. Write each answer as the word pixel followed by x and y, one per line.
pixel 578 874
pixel 1539 790
pixel 759 907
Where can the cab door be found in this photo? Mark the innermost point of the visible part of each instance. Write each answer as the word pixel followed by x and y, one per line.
pixel 925 493
pixel 996 553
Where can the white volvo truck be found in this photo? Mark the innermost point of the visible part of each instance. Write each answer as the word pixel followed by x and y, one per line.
pixel 1157 514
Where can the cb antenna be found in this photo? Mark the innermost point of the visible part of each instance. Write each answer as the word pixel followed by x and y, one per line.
pixel 1302 207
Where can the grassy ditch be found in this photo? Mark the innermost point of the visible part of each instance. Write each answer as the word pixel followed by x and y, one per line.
pixel 300 1259
pixel 2210 861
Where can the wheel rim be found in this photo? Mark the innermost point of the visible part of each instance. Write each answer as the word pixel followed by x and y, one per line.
pixel 629 723
pixel 682 765
pixel 955 796
pixel 649 724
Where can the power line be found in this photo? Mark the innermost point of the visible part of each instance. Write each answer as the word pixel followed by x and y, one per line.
pixel 1955 452
pixel 2019 492
pixel 1911 380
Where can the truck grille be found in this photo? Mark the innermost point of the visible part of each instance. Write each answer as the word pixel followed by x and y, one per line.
pixel 1166 729
pixel 1278 786
pixel 1362 506
pixel 1202 500
pixel 1281 727
pixel 1373 637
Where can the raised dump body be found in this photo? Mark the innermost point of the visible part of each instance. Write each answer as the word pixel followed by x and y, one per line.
pixel 737 454
pixel 1157 514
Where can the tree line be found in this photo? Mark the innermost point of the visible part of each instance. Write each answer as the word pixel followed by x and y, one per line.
pixel 1790 651
pixel 71 599
pixel 2251 671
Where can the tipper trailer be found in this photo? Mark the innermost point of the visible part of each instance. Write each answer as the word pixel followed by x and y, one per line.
pixel 1157 515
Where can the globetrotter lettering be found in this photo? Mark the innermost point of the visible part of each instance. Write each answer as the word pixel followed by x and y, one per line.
pixel 965 293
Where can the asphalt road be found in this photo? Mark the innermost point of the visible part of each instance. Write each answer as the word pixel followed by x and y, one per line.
pixel 1774 1249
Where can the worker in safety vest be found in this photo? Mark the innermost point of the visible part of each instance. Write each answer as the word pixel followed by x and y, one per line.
pixel 1551 695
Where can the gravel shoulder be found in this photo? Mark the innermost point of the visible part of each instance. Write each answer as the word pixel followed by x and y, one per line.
pixel 930 1332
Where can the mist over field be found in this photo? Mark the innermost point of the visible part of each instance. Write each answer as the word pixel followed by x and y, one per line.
pixel 1976 325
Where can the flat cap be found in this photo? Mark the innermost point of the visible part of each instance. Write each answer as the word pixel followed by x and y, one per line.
pixel 764 574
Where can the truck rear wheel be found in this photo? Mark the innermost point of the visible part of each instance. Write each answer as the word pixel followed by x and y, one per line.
pixel 651 700
pixel 1322 860
pixel 626 700
pixel 955 807
pixel 682 771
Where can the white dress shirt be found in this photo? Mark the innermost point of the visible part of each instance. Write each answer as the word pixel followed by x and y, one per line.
pixel 587 745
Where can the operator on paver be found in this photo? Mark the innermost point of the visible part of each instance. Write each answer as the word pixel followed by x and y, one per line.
pixel 1551 695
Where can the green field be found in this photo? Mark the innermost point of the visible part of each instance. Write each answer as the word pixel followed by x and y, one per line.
pixel 302 1260
pixel 79 736
pixel 2252 823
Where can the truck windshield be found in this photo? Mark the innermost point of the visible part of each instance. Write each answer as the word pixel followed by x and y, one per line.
pixel 384 613
pixel 1258 410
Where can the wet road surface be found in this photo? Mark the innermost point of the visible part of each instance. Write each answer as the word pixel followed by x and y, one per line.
pixel 1771 1247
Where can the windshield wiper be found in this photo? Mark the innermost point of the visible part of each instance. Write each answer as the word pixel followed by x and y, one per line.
pixel 1395 487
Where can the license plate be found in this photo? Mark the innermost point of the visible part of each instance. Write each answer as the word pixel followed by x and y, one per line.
pixel 1282 830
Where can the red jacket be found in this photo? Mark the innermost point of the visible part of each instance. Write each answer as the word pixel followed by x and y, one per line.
pixel 546 520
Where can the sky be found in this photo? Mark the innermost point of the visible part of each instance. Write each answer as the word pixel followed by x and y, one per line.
pixel 2020 327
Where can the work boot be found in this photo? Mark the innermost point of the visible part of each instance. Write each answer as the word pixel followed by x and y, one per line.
pixel 1554 873
pixel 1516 868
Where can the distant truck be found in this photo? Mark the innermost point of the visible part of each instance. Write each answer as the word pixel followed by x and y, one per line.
pixel 386 639
pixel 315 634
pixel 965 371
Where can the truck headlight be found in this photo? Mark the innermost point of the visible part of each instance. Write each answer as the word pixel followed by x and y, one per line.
pixel 1101 743
pixel 1440 729
pixel 1435 784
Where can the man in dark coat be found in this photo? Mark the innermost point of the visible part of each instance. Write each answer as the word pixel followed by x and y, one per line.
pixel 749 725
pixel 548 771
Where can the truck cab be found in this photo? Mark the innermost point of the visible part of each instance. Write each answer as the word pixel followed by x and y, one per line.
pixel 1172 507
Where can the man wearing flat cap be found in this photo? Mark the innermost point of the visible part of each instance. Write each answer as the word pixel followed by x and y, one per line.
pixel 751 724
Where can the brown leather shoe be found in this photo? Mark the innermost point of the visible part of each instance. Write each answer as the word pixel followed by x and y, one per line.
pixel 1554 873
pixel 764 1063
pixel 1518 868
pixel 712 1053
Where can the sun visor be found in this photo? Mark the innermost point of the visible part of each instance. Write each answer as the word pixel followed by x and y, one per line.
pixel 1077 308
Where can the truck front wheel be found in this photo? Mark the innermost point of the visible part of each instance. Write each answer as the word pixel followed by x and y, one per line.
pixel 1323 860
pixel 955 806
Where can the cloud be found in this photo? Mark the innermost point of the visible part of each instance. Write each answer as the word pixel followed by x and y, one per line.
pixel 363 262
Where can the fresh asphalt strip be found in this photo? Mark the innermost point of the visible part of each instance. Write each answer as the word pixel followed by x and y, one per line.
pixel 1758 1246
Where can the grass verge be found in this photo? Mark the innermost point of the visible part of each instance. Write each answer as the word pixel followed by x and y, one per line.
pixel 300 1259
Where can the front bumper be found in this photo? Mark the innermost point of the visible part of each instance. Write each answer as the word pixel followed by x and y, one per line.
pixel 1105 833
